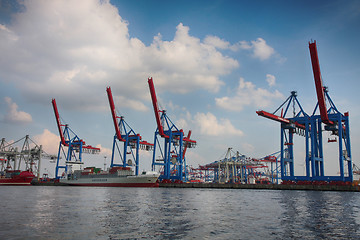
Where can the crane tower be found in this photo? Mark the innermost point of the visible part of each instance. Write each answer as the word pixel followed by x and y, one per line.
pixel 132 142
pixel 312 127
pixel 71 146
pixel 172 155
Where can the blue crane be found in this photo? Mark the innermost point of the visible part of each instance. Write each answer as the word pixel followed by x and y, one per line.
pixel 172 155
pixel 71 146
pixel 124 134
pixel 312 127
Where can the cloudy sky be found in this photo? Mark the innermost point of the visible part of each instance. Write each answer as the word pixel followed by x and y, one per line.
pixel 214 63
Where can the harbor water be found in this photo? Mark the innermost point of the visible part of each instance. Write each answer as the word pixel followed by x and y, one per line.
pixel 54 212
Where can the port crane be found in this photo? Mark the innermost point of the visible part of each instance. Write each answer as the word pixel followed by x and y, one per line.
pixel 334 122
pixel 13 157
pixel 272 163
pixel 292 122
pixel 71 146
pixel 312 127
pixel 234 167
pixel 124 134
pixel 172 155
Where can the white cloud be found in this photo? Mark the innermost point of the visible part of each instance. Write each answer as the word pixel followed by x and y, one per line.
pixel 193 158
pixel 182 124
pixel 185 121
pixel 13 115
pixel 244 45
pixel 186 63
pixel 73 50
pixel 4 28
pixel 49 141
pixel 259 48
pixel 122 102
pixel 105 151
pixel 271 80
pixel 248 148
pixel 247 94
pixel 209 125
pixel 216 42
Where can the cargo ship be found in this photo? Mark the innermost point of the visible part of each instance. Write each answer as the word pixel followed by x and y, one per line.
pixel 115 177
pixel 16 177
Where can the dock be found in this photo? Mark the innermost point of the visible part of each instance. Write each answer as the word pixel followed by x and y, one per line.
pixel 348 188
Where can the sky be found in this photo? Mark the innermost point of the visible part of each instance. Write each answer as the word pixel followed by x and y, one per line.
pixel 214 64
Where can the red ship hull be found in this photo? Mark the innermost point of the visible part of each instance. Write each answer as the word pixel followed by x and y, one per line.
pixel 23 179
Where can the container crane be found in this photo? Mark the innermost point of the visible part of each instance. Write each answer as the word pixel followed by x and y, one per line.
pixel 12 157
pixel 272 161
pixel 70 145
pixel 172 158
pixel 335 122
pixel 310 127
pixel 124 134
pixel 234 168
pixel 318 83
pixel 297 123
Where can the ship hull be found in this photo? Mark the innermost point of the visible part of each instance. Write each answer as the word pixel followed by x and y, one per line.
pixel 103 181
pixel 15 182
pixel 23 179
pixel 113 184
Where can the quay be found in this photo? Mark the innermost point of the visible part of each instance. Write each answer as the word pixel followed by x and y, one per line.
pixel 348 188
pixel 308 187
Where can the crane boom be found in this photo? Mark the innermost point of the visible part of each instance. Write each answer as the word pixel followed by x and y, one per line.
pixel 278 119
pixel 113 113
pixel 156 108
pixel 57 116
pixel 62 137
pixel 318 83
pixel 187 144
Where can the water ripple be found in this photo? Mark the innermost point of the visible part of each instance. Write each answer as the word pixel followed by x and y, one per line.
pixel 141 213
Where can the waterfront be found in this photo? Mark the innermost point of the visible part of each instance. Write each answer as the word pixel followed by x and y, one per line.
pixel 49 212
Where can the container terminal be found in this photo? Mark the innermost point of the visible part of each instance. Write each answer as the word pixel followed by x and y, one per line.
pixel 234 170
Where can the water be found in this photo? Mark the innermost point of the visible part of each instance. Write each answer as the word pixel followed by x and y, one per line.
pixel 44 212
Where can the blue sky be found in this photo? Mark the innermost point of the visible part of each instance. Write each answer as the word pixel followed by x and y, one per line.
pixel 214 63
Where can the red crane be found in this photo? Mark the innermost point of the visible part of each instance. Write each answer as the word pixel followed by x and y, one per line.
pixel 175 143
pixel 57 116
pixel 114 116
pixel 156 108
pixel 278 119
pixel 65 139
pixel 75 145
pixel 333 121
pixel 318 83
pixel 126 135
pixel 187 139
pixel 116 123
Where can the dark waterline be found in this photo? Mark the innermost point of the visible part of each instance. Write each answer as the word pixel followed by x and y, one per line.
pixel 40 212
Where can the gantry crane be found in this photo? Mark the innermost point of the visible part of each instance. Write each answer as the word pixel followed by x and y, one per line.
pixel 334 122
pixel 234 168
pixel 311 127
pixel 126 135
pixel 273 171
pixel 30 155
pixel 70 145
pixel 298 123
pixel 172 156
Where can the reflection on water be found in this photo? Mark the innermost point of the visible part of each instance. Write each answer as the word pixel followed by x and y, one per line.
pixel 321 215
pixel 38 212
